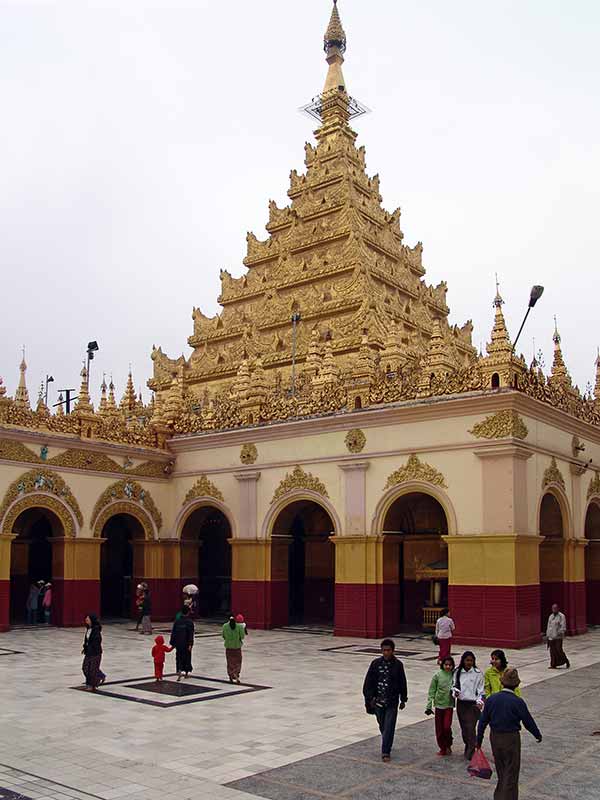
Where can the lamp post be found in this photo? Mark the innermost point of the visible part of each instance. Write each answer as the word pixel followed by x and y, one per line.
pixel 91 349
pixel 295 320
pixel 536 293
pixel 49 379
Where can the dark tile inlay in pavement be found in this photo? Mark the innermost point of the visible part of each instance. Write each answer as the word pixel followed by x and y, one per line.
pixel 171 688
pixel 6 794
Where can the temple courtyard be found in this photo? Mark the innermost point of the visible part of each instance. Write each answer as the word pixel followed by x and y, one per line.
pixel 295 729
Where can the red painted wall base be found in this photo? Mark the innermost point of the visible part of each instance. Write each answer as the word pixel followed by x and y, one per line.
pixel 500 616
pixel 4 605
pixel 264 604
pixel 166 596
pixel 592 590
pixel 73 600
pixel 367 610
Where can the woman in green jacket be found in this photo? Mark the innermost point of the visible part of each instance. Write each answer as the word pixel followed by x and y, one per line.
pixel 233 636
pixel 440 696
pixel 494 673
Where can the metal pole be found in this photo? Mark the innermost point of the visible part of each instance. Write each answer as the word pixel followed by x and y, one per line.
pixel 520 329
pixel 295 320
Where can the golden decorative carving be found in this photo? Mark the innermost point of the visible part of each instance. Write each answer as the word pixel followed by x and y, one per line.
pixel 553 475
pixel 355 440
pixel 123 507
pixel 41 480
pixel 416 470
pixel 203 488
pixel 16 451
pixel 594 487
pixel 131 492
pixel 85 459
pixel 248 454
pixel 38 501
pixel 152 469
pixel 500 426
pixel 299 479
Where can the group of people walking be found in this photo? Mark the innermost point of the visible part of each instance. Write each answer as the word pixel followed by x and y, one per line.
pixel 38 606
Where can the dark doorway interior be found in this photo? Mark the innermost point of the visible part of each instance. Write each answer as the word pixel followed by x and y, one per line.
pixel 210 528
pixel 310 573
pixel 31 557
pixel 116 566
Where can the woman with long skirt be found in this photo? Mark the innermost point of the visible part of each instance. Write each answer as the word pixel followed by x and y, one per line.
pixel 182 639
pixel 233 636
pixel 468 690
pixel 92 653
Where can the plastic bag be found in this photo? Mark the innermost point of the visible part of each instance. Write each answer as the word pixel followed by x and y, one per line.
pixel 479 766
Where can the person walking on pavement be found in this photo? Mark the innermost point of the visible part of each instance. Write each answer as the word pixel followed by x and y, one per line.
pixel 47 603
pixel 468 691
pixel 385 689
pixel 556 630
pixel 182 639
pixel 493 674
pixel 504 712
pixel 444 628
pixel 31 605
pixel 92 653
pixel 233 637
pixel 145 611
pixel 440 696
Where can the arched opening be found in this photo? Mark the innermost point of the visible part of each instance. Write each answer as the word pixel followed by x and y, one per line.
pixel 551 556
pixel 495 381
pixel 592 563
pixel 357 402
pixel 31 558
pixel 119 565
pixel 303 559
pixel 206 559
pixel 417 558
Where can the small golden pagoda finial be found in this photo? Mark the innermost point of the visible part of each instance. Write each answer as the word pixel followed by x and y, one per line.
pixel 2 389
pixel 22 395
pixel 335 36
pixel 111 404
pixel 83 401
pixel 597 384
pixel 60 408
pixel 128 401
pixel 42 409
pixel 103 407
pixel 560 373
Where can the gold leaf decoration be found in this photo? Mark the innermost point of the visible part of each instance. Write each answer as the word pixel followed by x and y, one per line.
pixel 152 469
pixel 45 482
pixel 594 487
pixel 553 475
pixel 248 454
pixel 203 488
pixel 416 470
pixel 355 440
pixel 84 459
pixel 299 479
pixel 16 451
pixel 129 491
pixel 500 426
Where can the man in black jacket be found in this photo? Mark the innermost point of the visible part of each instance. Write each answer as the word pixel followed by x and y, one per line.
pixel 384 688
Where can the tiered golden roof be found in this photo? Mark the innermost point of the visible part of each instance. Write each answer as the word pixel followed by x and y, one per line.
pixel 332 313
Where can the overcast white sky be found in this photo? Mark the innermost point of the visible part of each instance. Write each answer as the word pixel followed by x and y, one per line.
pixel 139 141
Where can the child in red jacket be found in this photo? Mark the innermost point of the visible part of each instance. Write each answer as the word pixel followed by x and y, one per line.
pixel 158 654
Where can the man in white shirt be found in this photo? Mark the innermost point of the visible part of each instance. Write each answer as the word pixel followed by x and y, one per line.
pixel 556 630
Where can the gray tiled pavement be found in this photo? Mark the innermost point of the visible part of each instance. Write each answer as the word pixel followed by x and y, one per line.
pixel 565 765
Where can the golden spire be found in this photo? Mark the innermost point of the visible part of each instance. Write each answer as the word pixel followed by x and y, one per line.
pixel 597 386
pixel 2 388
pixel 560 373
pixel 500 344
pixel 128 401
pixel 83 401
pixel 111 404
pixel 103 407
pixel 22 395
pixel 334 99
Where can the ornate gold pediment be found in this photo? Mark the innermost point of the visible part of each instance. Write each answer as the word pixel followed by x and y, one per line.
pixel 594 487
pixel 127 491
pixel 416 470
pixel 500 426
pixel 45 482
pixel 299 479
pixel 203 488
pixel 553 475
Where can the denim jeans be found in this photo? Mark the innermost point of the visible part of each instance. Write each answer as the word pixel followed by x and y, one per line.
pixel 47 614
pixel 386 719
pixel 32 616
